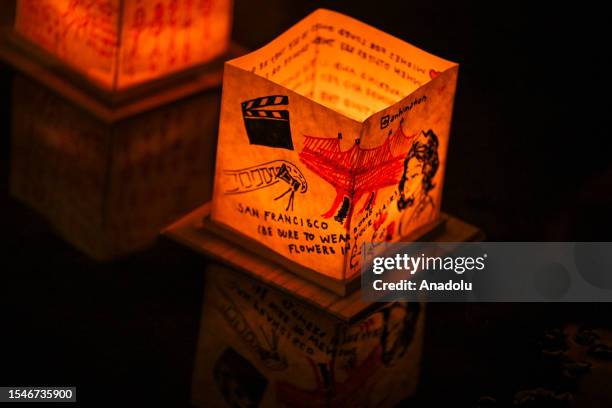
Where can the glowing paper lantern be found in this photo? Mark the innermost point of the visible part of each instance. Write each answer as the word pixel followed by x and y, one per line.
pixel 333 135
pixel 120 43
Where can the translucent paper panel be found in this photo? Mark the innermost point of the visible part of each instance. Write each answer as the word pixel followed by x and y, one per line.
pixel 122 43
pixel 81 33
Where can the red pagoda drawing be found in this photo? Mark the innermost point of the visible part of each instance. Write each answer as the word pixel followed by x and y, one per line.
pixel 356 171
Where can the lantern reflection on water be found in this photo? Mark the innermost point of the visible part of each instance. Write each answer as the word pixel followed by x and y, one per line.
pixel 117 44
pixel 271 339
pixel 259 346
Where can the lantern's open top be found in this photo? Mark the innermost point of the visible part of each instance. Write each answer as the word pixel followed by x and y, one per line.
pixel 313 67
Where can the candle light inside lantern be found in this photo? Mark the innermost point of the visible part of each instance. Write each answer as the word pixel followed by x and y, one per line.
pixel 118 44
pixel 337 122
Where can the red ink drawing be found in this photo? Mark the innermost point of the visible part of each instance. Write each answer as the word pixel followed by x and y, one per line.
pixel 390 231
pixel 380 221
pixel 329 392
pixel 356 171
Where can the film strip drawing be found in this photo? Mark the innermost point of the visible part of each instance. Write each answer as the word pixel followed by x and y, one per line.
pixel 266 175
pixel 266 126
pixel 295 184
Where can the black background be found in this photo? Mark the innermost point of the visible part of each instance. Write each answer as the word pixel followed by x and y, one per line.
pixel 529 160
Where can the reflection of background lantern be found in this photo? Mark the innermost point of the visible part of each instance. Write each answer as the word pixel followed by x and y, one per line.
pixel 118 44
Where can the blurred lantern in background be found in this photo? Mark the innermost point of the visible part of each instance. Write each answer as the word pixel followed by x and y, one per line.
pixel 120 43
pixel 113 115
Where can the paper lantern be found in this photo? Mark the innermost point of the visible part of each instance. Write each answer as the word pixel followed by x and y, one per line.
pixel 259 346
pixel 109 187
pixel 332 135
pixel 120 43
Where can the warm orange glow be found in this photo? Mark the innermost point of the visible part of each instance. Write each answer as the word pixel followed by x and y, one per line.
pixel 119 43
pixel 109 195
pixel 332 136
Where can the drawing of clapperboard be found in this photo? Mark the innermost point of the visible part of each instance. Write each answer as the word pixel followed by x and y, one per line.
pixel 266 126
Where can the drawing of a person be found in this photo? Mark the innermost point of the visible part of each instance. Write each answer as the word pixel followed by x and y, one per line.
pixel 397 338
pixel 420 167
pixel 240 382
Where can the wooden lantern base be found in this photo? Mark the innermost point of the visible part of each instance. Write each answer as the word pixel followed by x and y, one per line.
pixel 341 287
pixel 196 231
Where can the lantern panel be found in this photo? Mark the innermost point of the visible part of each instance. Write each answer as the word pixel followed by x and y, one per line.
pixel 162 37
pixel 118 44
pixel 83 34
